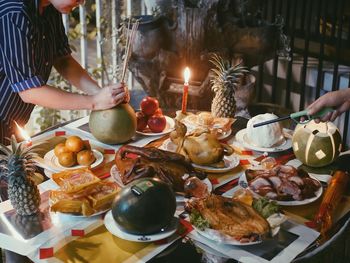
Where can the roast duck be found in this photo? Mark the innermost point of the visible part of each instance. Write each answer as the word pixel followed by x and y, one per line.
pixel 200 146
pixel 282 182
pixel 230 217
pixel 135 162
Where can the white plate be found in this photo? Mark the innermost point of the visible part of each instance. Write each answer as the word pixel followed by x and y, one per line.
pixel 223 239
pixel 224 135
pixel 284 145
pixel 244 182
pixel 170 124
pixel 221 137
pixel 52 161
pixel 114 229
pixel 116 176
pixel 231 161
pixel 60 214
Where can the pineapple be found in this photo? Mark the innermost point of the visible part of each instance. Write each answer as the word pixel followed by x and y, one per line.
pixel 29 226
pixel 225 80
pixel 17 167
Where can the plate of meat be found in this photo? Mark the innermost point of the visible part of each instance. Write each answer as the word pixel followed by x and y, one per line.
pixel 187 184
pixel 284 183
pixel 224 220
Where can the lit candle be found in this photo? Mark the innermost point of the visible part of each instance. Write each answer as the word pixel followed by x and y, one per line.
pixel 185 91
pixel 24 134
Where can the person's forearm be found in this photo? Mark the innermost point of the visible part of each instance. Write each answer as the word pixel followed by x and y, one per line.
pixel 72 71
pixel 347 94
pixel 54 98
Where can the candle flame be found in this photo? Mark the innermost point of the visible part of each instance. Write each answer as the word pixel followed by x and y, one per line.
pixel 23 133
pixel 187 75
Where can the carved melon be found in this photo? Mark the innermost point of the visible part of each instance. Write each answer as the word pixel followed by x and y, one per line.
pixel 316 144
pixel 113 126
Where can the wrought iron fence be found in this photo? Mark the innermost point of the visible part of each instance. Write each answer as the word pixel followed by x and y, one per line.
pixel 319 32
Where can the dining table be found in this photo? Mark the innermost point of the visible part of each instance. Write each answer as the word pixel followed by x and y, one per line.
pixel 58 237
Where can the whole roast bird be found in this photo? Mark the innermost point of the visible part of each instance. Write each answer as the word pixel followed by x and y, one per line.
pixel 136 162
pixel 200 146
pixel 230 217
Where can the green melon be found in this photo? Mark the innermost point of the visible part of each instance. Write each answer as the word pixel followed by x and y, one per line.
pixel 316 144
pixel 145 206
pixel 113 126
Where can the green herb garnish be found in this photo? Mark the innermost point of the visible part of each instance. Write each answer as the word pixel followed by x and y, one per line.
pixel 265 207
pixel 198 220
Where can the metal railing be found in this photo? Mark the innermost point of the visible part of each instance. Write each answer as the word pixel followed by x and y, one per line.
pixel 319 32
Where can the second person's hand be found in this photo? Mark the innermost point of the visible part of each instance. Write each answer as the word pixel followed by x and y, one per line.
pixel 338 100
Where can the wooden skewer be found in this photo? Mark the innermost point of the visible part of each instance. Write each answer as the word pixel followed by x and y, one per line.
pixel 126 48
pixel 129 41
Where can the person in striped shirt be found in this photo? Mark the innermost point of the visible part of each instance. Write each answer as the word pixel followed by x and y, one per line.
pixel 32 40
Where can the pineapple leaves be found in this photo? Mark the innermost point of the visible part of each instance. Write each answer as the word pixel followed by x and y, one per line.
pixel 33 150
pixel 18 157
pixel 225 75
pixel 13 144
pixel 5 150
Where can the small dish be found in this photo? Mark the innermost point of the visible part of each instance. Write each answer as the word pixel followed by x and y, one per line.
pixel 283 145
pixel 51 161
pixel 115 229
pixel 222 136
pixel 79 215
pixel 170 124
pixel 231 162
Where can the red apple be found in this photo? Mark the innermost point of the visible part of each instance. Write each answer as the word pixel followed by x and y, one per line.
pixel 149 105
pixel 141 121
pixel 158 112
pixel 157 123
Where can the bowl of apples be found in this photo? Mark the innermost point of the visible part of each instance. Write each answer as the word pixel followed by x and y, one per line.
pixel 150 119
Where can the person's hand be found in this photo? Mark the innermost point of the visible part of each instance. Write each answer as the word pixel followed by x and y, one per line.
pixel 127 93
pixel 338 100
pixel 109 97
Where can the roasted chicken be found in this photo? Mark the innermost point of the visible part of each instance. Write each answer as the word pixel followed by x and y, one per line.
pixel 230 217
pixel 135 162
pixel 282 182
pixel 200 146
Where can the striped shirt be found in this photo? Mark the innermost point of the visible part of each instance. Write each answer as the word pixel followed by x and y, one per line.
pixel 29 44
